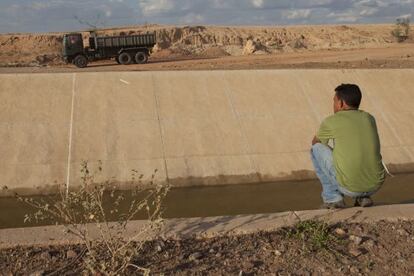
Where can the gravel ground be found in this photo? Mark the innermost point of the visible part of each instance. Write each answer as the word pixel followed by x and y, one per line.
pixel 309 248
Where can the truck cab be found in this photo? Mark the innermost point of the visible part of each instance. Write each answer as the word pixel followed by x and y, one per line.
pixel 72 46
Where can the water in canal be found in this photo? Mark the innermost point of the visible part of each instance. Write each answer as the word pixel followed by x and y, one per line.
pixel 236 199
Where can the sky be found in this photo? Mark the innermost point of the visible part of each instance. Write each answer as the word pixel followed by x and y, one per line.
pixel 74 15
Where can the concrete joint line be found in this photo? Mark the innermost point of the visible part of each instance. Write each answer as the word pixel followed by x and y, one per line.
pixel 216 119
pixel 395 133
pixel 70 134
pixel 314 111
pixel 387 122
pixel 157 111
pixel 242 132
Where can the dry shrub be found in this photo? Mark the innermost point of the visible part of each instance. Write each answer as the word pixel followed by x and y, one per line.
pixel 83 214
pixel 401 30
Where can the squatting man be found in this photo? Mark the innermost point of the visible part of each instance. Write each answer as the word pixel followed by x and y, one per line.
pixel 353 165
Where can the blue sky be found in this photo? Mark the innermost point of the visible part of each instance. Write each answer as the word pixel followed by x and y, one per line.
pixel 61 15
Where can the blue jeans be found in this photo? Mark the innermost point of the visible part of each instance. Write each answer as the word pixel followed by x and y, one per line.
pixel 322 160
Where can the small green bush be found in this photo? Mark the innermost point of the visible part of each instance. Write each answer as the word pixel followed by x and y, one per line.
pixel 315 235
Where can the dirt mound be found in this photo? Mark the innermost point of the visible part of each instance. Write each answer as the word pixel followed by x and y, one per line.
pixel 254 47
pixel 214 52
pixel 249 48
pixel 171 53
pixel 194 41
pixel 49 59
pixel 33 50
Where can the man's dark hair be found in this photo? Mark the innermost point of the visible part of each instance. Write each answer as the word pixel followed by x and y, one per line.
pixel 350 94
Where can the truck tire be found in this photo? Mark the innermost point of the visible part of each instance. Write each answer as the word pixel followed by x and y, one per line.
pixel 125 58
pixel 80 61
pixel 141 57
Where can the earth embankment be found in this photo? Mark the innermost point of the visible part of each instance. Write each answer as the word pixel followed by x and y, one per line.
pixel 176 42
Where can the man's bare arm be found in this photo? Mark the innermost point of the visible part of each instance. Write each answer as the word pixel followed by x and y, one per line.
pixel 315 140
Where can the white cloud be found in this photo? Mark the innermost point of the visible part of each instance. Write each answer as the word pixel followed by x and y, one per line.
pixel 382 4
pixel 192 18
pixel 55 15
pixel 408 15
pixel 344 17
pixel 40 5
pixel 37 5
pixel 347 19
pixel 368 11
pixel 257 3
pixel 13 8
pixel 150 7
pixel 219 4
pixel 365 3
pixel 297 14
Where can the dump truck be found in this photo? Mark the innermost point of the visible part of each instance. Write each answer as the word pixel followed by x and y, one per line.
pixel 125 49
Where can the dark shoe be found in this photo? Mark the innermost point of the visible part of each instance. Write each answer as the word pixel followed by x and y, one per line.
pixel 334 205
pixel 363 202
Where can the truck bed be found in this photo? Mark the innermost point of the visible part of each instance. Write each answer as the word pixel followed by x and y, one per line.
pixel 142 40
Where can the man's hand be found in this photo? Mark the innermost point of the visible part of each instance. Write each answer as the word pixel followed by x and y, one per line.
pixel 315 140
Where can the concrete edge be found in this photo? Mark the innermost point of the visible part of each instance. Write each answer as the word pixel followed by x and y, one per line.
pixel 212 226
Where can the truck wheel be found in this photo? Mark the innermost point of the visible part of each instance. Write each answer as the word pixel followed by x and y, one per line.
pixel 141 57
pixel 125 58
pixel 80 61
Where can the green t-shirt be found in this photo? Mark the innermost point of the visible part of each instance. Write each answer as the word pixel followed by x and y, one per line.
pixel 356 153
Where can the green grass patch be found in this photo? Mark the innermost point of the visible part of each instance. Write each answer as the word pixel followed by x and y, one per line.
pixel 314 235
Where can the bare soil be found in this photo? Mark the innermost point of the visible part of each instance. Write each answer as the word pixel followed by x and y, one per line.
pixel 384 248
pixel 224 48
pixel 397 56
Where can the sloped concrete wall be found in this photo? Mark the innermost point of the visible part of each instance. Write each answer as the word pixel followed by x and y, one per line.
pixel 193 127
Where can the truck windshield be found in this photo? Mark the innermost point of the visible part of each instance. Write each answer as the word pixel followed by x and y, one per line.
pixel 73 39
